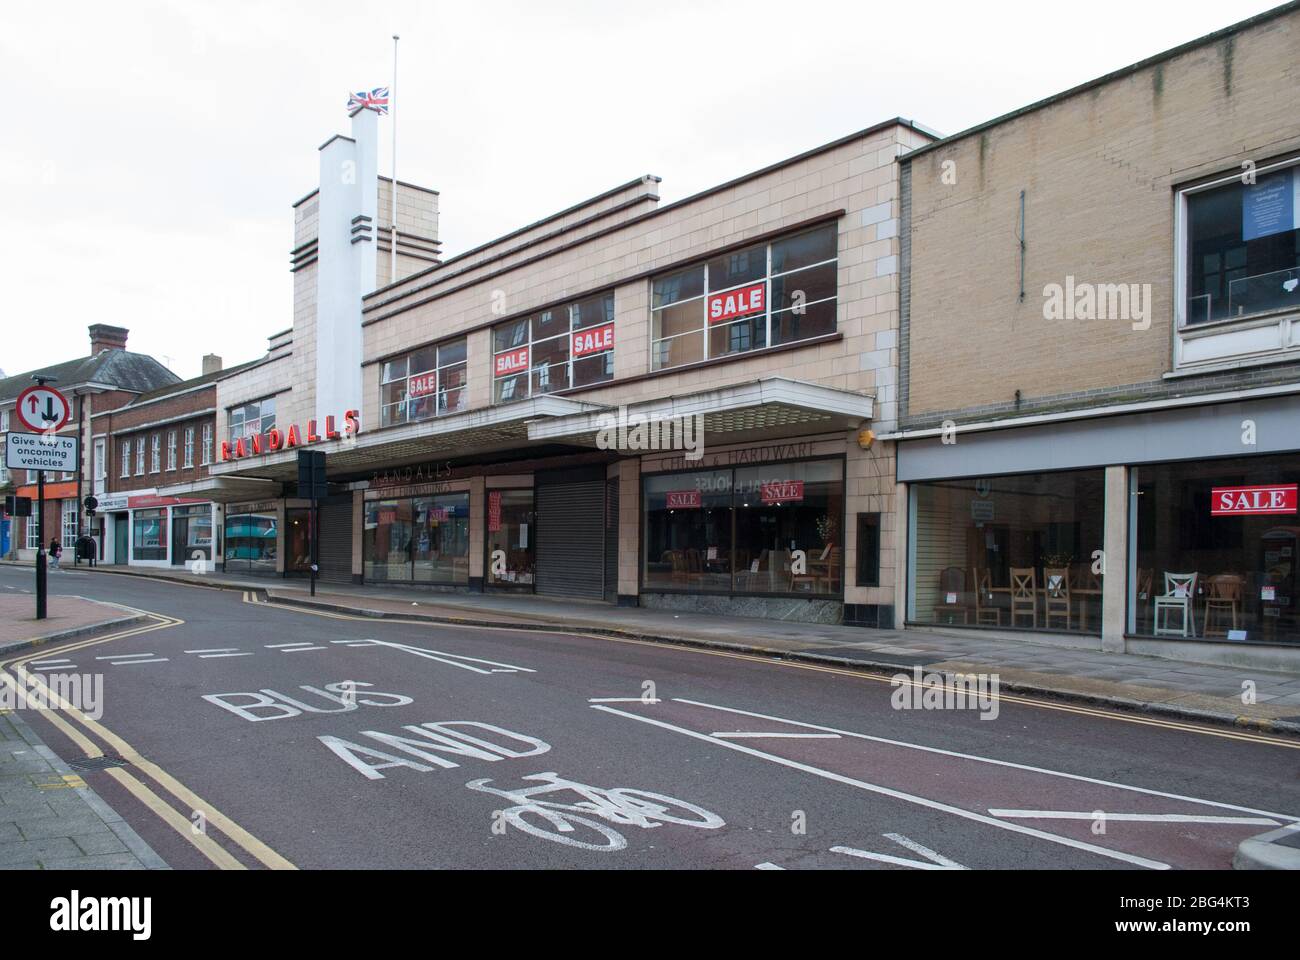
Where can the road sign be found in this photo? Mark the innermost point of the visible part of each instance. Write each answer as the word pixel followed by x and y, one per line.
pixel 91 504
pixel 38 451
pixel 42 408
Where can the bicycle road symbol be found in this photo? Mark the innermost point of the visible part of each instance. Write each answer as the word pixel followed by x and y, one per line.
pixel 624 806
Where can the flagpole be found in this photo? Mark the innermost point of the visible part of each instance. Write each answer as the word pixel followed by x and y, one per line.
pixel 392 259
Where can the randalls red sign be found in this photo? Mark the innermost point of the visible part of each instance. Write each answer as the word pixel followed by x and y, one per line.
pixel 1253 501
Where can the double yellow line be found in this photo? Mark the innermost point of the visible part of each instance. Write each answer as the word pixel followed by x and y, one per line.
pixel 80 729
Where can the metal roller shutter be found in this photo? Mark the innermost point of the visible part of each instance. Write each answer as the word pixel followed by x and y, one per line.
pixel 571 538
pixel 335 550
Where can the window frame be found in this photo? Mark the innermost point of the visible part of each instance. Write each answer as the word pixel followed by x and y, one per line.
pixel 439 370
pixel 205 449
pixel 126 459
pixel 769 315
pixel 139 455
pixel 171 450
pixel 187 456
pixel 261 419
pixel 530 344
pixel 1182 239
pixel 155 453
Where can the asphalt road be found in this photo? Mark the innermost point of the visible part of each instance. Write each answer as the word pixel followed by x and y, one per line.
pixel 243 749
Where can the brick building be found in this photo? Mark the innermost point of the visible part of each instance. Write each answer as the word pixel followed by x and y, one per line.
pixel 1099 410
pixel 107 379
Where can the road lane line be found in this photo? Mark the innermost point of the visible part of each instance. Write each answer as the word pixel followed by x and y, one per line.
pixel 772 660
pixel 622 700
pixel 897 794
pixel 767 865
pixel 1000 763
pixel 302 649
pixel 215 656
pixel 763 735
pixel 1129 817
pixel 131 663
pixel 214 650
pixel 126 656
pixel 924 851
pixel 296 643
pixel 889 858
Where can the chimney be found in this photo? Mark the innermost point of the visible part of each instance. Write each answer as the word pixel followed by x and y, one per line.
pixel 211 363
pixel 104 337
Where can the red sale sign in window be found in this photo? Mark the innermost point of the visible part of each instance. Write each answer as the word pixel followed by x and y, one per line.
pixel 782 491
pixel 582 343
pixel 513 361
pixel 1254 501
pixel 684 499
pixel 737 303
pixel 494 511
pixel 422 385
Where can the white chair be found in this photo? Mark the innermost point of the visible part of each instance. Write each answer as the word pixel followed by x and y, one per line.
pixel 1179 595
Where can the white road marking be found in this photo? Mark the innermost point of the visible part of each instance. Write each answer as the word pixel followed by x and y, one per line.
pixel 217 656
pixel 1129 817
pixel 765 865
pixel 127 656
pixel 302 649
pixel 895 794
pixel 296 643
pixel 924 851
pixel 623 700
pixel 132 663
pixel 764 734
pixel 213 650
pixel 40 664
pixel 999 763
pixel 889 858
pixel 450 659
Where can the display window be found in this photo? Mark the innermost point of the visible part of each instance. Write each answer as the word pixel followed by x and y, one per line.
pixel 1020 551
pixel 511 539
pixel 1215 550
pixel 417 539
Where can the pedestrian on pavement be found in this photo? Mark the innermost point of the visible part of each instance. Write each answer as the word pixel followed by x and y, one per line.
pixel 56 551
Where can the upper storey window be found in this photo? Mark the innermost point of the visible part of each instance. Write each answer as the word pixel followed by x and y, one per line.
pixel 760 296
pixel 571 345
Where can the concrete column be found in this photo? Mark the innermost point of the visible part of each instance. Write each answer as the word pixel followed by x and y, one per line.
pixel 629 531
pixel 477 531
pixel 901 516
pixel 280 520
pixel 358 534
pixel 1114 587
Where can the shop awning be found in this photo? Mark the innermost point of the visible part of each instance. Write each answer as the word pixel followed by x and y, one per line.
pixel 223 489
pixel 772 407
pixel 457 435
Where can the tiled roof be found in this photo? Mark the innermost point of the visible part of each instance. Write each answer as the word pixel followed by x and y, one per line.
pixel 133 372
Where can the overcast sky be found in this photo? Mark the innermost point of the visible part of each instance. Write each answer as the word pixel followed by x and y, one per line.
pixel 152 150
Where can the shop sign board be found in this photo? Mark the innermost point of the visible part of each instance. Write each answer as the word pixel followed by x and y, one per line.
pixel 512 361
pixel 684 499
pixel 276 439
pixel 1253 501
pixel 583 343
pixel 739 302
pixel 782 491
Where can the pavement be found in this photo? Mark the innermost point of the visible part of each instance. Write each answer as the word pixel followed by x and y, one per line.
pixel 783 742
pixel 67 616
pixel 1200 692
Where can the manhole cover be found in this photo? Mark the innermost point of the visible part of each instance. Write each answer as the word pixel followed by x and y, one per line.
pixel 98 763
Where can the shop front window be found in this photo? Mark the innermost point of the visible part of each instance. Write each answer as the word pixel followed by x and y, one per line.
pixel 250 540
pixel 510 537
pixel 148 535
pixel 1216 550
pixel 420 539
pixel 775 529
pixel 297 540
pixel 1011 551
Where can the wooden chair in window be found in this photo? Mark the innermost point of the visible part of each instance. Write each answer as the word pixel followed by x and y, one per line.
pixel 1222 604
pixel 1056 597
pixel 1180 596
pixel 952 595
pixel 829 571
pixel 1024 595
pixel 678 561
pixel 814 574
pixel 986 612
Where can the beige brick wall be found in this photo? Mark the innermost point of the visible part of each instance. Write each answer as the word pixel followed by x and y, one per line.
pixel 1098 170
pixel 859 176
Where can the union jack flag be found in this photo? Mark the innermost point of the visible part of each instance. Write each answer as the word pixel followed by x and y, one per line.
pixel 376 100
